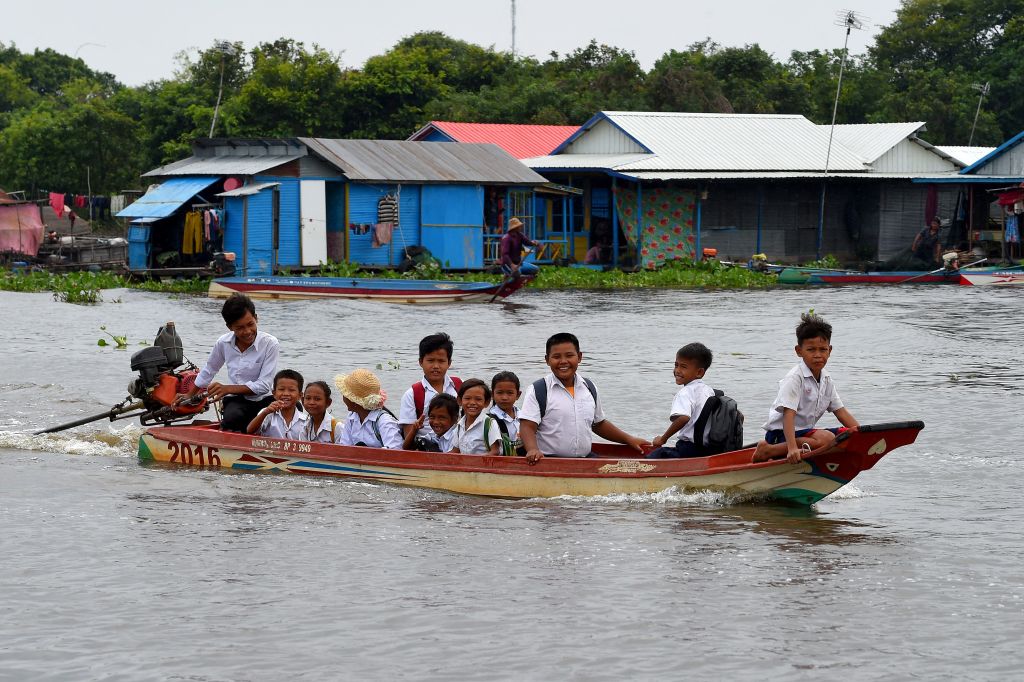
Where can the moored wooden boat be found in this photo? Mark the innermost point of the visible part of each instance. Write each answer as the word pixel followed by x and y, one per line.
pixel 614 470
pixel 390 290
pixel 1003 277
pixel 797 275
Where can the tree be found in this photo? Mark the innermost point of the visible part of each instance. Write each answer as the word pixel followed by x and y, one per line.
pixel 683 81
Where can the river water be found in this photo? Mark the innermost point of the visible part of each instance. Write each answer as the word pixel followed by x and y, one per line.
pixel 117 571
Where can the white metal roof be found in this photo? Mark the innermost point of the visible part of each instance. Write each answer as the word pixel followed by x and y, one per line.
pixel 872 140
pixel 779 175
pixel 610 161
pixel 248 190
pixel 728 142
pixel 966 155
pixel 222 165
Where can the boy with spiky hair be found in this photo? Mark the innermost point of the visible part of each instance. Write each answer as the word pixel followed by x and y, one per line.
pixel 805 394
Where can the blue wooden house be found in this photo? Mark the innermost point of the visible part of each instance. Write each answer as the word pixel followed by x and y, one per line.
pixel 296 203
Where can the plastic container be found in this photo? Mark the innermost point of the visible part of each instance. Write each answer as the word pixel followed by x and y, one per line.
pixel 167 339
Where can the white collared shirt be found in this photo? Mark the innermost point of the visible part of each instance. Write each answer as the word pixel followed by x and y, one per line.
pixel 689 400
pixel 510 421
pixel 565 430
pixel 470 440
pixel 275 426
pixel 407 410
pixel 255 367
pixel 799 391
pixel 323 432
pixel 356 431
pixel 445 442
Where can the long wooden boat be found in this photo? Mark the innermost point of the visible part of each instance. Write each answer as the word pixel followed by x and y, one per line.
pixel 798 275
pixel 390 290
pixel 615 469
pixel 999 278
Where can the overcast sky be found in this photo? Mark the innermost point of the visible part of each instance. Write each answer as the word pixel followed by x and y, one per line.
pixel 137 41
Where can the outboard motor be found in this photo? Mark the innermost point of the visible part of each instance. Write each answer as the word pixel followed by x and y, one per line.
pixel 159 381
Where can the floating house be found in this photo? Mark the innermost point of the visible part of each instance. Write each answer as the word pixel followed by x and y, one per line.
pixel 295 203
pixel 658 186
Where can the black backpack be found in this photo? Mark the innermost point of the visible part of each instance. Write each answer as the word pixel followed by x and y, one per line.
pixel 719 427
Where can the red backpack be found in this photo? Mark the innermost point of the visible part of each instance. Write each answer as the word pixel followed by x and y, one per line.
pixel 419 394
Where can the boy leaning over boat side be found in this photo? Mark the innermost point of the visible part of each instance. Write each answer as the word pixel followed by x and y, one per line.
pixel 435 359
pixel 805 394
pixel 251 359
pixel 282 418
pixel 692 361
pixel 561 410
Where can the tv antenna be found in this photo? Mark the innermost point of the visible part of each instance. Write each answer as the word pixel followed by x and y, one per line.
pixel 850 20
pixel 226 49
pixel 513 28
pixel 983 89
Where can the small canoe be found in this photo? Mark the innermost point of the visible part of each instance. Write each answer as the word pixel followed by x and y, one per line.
pixel 998 278
pixel 797 275
pixel 614 470
pixel 389 290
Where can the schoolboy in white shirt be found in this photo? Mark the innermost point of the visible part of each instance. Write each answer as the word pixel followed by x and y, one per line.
pixel 435 359
pixel 692 361
pixel 282 418
pixel 805 394
pixel 571 411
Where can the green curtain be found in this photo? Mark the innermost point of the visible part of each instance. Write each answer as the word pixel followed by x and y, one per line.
pixel 666 225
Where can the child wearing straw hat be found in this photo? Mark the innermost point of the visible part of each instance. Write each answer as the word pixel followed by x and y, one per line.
pixel 369 423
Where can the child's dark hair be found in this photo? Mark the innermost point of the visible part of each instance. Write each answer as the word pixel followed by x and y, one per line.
pixel 561 337
pixel 504 376
pixel 323 387
pixel 697 352
pixel 288 374
pixel 812 327
pixel 236 307
pixel 438 341
pixel 473 383
pixel 444 402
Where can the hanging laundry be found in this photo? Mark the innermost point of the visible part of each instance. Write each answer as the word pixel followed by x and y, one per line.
pixel 387 209
pixel 206 224
pixel 192 241
pixel 117 203
pixel 382 234
pixel 57 203
pixel 1012 229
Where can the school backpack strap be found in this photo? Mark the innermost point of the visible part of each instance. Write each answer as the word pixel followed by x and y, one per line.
pixel 540 391
pixel 456 382
pixel 508 448
pixel 334 422
pixel 419 394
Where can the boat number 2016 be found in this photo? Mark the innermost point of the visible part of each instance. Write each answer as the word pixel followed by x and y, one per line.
pixel 185 453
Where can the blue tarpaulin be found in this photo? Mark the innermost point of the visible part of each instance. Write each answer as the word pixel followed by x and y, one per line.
pixel 167 198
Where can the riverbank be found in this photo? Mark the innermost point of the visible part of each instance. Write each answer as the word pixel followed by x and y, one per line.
pixel 84 287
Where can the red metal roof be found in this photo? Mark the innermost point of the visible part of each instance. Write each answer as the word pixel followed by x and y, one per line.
pixel 521 141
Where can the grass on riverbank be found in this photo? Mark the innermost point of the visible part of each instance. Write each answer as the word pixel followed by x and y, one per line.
pixel 85 287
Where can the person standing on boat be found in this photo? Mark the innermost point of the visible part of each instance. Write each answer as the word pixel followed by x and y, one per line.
pixel 561 410
pixel 251 359
pixel 511 251
pixel 927 246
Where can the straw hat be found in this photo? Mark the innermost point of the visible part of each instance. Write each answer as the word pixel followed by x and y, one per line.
pixel 514 224
pixel 361 387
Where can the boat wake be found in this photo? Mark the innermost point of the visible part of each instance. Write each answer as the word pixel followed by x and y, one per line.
pixel 670 496
pixel 115 442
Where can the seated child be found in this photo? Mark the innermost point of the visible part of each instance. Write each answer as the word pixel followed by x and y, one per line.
pixel 321 427
pixel 476 433
pixel 692 361
pixel 369 423
pixel 505 391
pixel 441 415
pixel 562 424
pixel 805 394
pixel 435 359
pixel 251 358
pixel 282 418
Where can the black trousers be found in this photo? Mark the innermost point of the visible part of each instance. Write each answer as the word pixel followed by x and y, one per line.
pixel 238 412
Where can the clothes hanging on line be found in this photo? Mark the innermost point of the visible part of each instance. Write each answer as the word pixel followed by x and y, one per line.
pixel 117 203
pixel 1012 229
pixel 192 241
pixel 359 229
pixel 57 203
pixel 382 234
pixel 387 209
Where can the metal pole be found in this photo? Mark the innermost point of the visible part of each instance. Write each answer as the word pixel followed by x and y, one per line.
pixel 639 219
pixel 821 222
pixel 220 91
pixel 88 185
pixel 615 224
pixel 828 152
pixel 760 206
pixel 697 249
pixel 984 91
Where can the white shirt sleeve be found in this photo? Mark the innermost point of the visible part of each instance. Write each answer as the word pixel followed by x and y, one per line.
pixel 598 409
pixel 407 408
pixel 835 402
pixel 789 392
pixel 492 432
pixel 530 411
pixel 390 432
pixel 265 383
pixel 682 404
pixel 344 433
pixel 212 366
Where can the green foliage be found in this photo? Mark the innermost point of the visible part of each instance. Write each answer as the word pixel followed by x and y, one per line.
pixel 826 262
pixel 120 342
pixel 675 275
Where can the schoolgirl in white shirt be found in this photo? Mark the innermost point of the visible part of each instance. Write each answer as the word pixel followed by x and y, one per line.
pixel 368 423
pixel 321 427
pixel 477 432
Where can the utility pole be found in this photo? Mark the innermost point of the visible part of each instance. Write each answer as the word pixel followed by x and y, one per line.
pixel 225 48
pixel 513 28
pixel 983 89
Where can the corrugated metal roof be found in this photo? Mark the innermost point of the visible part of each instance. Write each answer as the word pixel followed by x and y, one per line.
pixel 995 153
pixel 166 198
pixel 221 165
pixel 521 141
pixel 609 161
pixel 731 142
pixel 248 190
pixel 779 175
pixel 395 161
pixel 871 140
pixel 966 155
